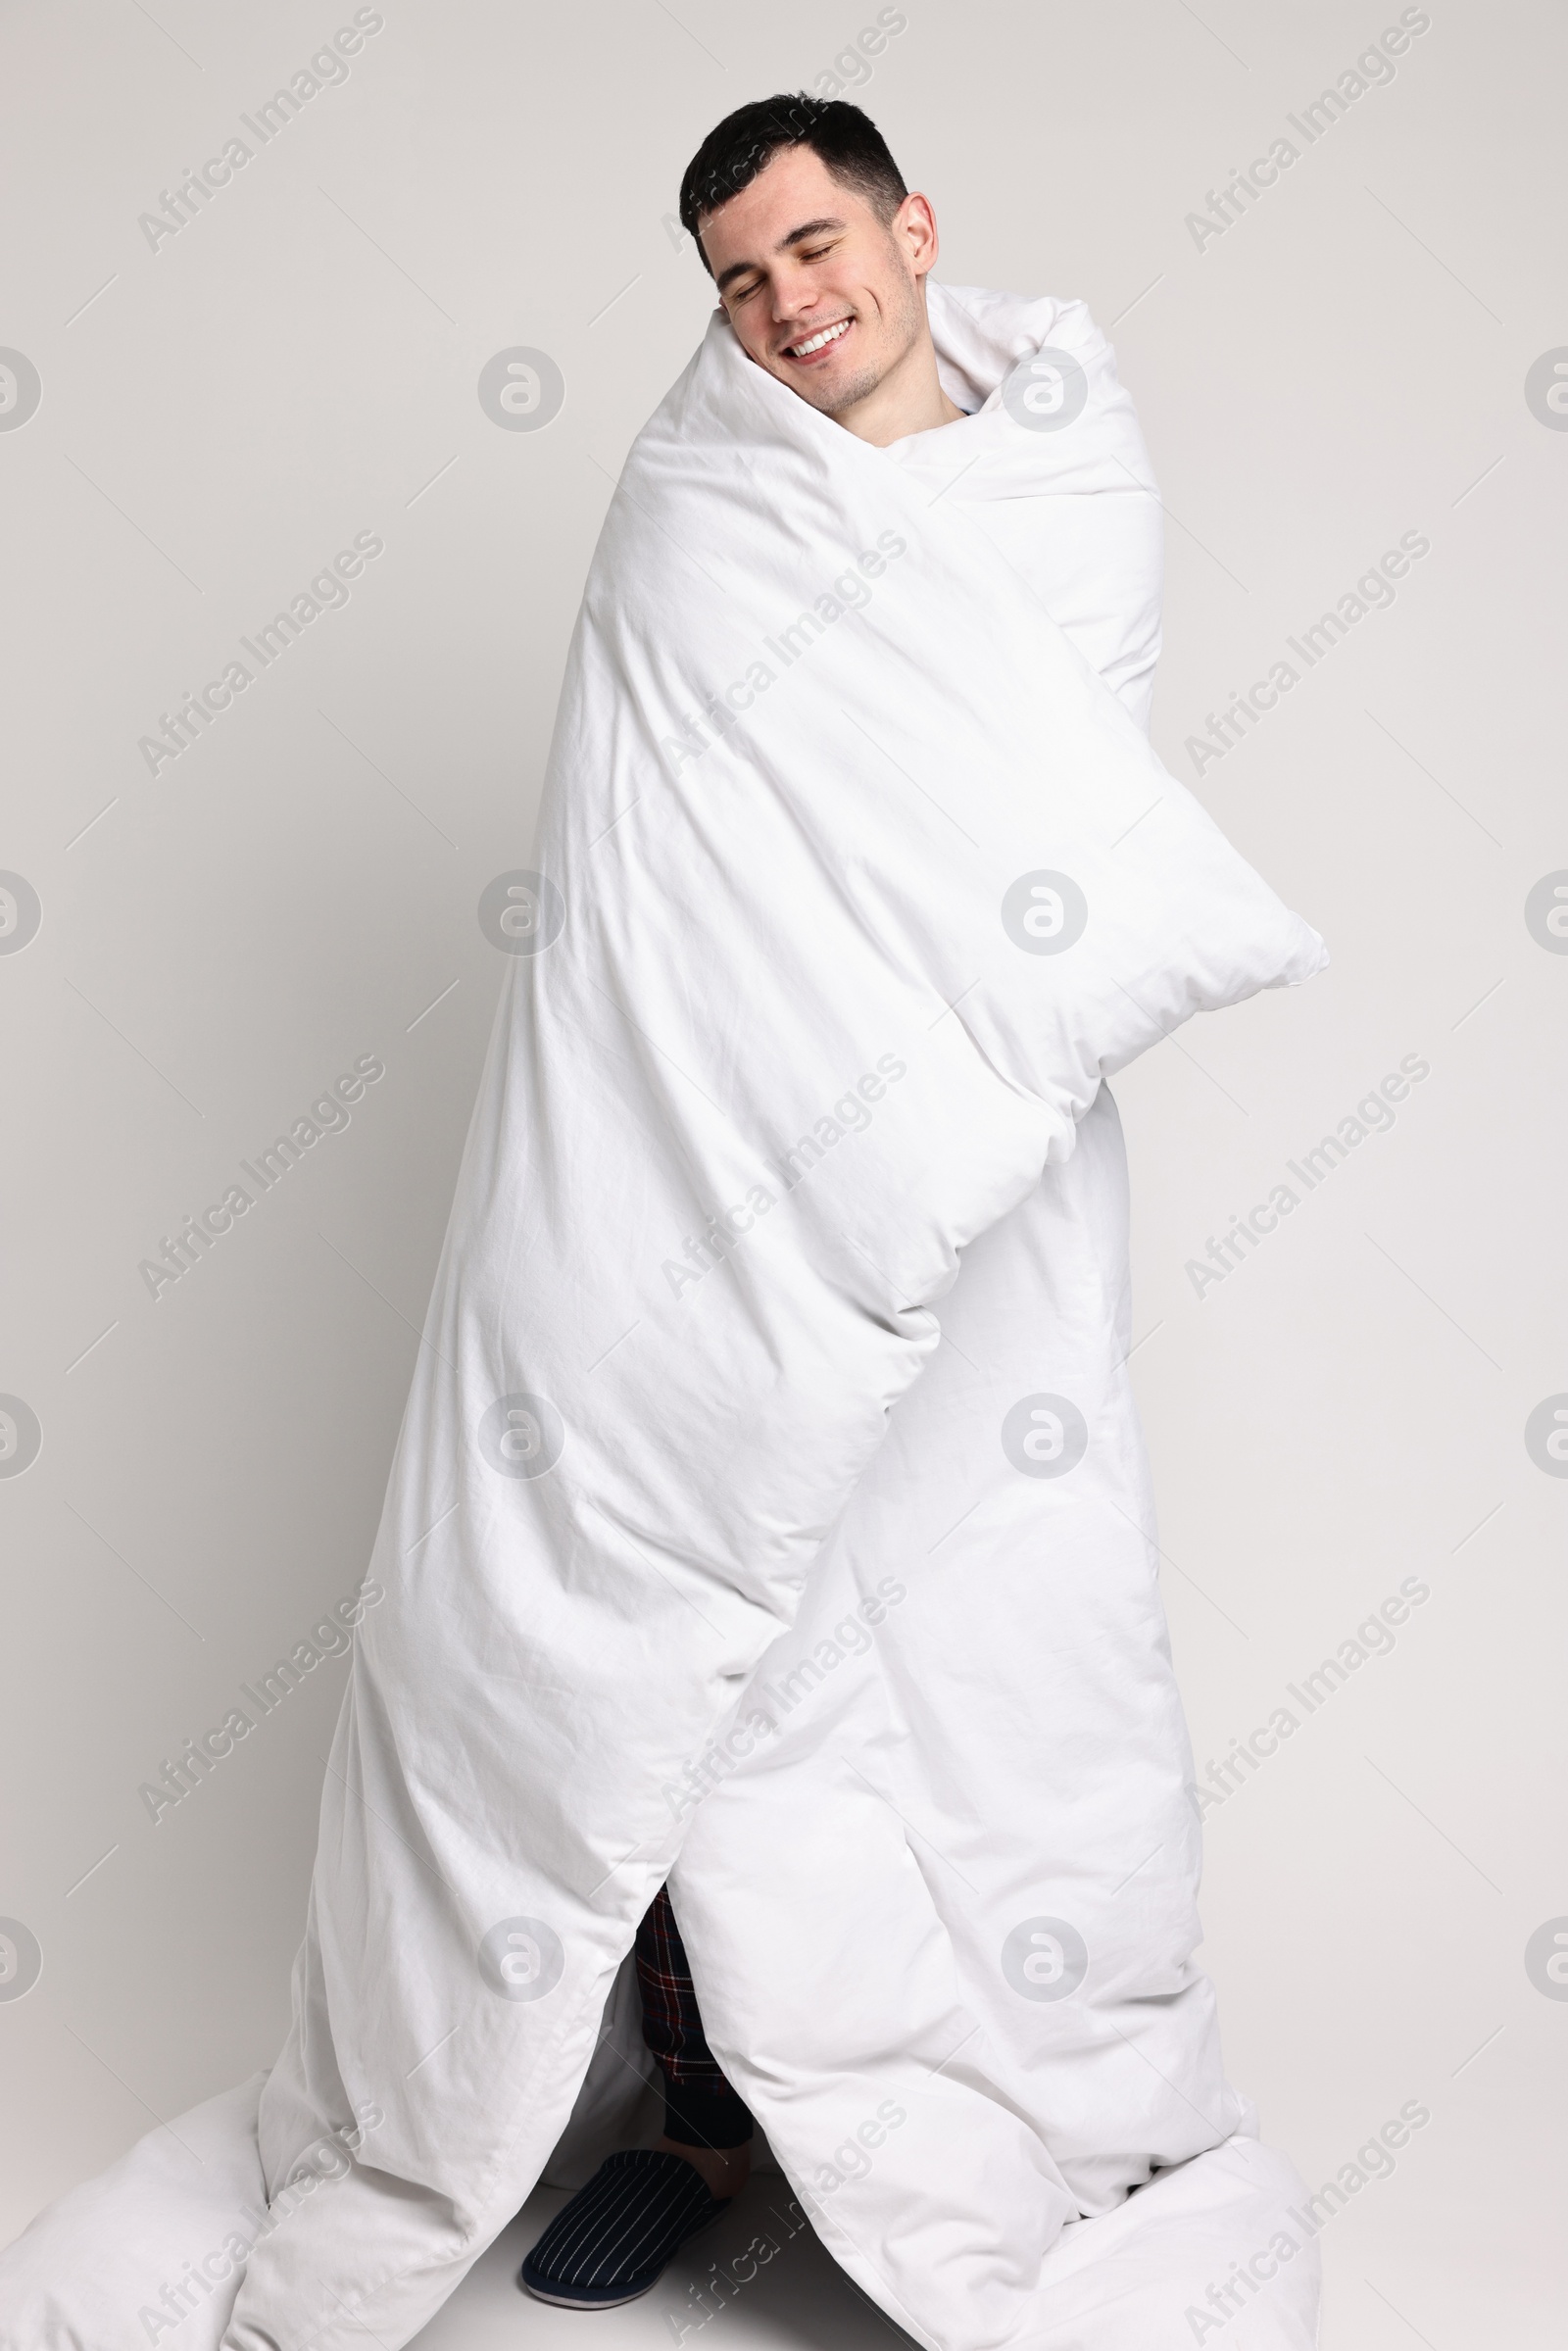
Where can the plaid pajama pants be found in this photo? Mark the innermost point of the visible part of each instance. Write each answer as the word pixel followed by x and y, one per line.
pixel 701 2110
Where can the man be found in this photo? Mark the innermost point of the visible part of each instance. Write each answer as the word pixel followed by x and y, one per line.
pixel 770 1516
pixel 819 256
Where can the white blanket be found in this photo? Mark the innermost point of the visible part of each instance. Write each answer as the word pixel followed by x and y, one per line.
pixel 857 875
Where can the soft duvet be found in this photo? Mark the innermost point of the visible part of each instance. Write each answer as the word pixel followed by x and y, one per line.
pixel 771 1512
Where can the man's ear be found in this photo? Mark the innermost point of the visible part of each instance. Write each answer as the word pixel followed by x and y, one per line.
pixel 914 223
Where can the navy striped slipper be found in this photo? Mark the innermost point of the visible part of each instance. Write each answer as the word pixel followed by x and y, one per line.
pixel 616 2235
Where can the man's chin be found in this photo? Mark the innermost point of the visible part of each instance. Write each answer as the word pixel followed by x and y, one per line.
pixel 832 394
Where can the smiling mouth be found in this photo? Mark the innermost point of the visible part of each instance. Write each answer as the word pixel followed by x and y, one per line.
pixel 812 344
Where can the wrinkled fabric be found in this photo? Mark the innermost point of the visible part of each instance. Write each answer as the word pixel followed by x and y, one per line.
pixel 784 1302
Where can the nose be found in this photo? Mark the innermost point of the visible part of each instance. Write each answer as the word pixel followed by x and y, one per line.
pixel 795 294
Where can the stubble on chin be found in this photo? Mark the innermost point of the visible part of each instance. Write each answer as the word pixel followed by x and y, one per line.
pixel 833 399
pixel 905 324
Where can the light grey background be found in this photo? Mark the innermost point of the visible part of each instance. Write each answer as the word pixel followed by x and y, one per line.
pixel 299 364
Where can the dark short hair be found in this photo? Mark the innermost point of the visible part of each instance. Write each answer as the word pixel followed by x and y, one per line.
pixel 731 155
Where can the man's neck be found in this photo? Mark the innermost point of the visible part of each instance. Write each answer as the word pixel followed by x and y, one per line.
pixel 908 399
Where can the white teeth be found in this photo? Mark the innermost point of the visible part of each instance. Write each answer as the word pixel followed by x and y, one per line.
pixel 829 334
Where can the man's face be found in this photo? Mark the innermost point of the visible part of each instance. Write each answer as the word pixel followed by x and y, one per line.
pixel 797 257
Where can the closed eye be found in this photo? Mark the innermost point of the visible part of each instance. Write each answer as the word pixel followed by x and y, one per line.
pixel 753 287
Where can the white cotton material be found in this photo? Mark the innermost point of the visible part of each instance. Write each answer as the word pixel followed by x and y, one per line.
pixel 772 1493
pixel 152 2251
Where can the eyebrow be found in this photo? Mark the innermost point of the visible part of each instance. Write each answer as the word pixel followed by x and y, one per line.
pixel 797 236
